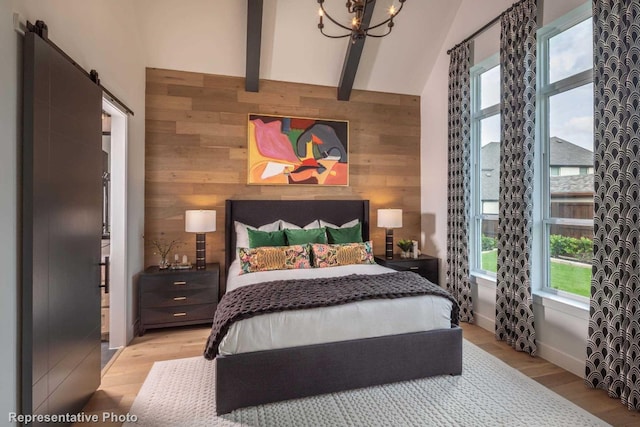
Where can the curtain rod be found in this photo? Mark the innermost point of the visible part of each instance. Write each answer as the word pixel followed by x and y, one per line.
pixel 484 27
pixel 41 30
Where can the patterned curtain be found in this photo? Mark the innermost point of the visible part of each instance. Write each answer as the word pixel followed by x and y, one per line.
pixel 459 178
pixel 613 348
pixel 514 305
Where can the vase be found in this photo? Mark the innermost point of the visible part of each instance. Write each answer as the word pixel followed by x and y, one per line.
pixel 163 264
pixel 405 254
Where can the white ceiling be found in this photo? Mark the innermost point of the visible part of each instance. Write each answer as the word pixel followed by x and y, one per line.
pixel 209 36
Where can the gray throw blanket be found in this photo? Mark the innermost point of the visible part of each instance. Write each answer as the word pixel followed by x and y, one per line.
pixel 283 295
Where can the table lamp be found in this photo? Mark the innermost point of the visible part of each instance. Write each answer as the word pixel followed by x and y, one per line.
pixel 389 219
pixel 200 222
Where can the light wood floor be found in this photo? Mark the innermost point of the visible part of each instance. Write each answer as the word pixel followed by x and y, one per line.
pixel 123 380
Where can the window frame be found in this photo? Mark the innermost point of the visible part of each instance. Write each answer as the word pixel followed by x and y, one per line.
pixel 477 115
pixel 544 92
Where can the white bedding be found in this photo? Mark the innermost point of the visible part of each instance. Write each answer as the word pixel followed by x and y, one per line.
pixel 363 319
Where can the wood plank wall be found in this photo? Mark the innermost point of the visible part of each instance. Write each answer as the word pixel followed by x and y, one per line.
pixel 196 151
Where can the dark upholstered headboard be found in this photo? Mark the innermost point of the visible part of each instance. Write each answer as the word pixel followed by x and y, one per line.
pixel 301 212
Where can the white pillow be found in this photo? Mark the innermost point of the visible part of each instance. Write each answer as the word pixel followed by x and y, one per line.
pixel 351 223
pixel 284 225
pixel 242 235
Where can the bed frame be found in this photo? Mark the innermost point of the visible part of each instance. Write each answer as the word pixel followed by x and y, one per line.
pixel 249 379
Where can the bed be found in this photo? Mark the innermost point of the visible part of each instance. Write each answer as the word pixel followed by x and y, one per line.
pixel 264 375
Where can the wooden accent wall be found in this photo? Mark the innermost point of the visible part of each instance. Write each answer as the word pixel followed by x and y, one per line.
pixel 196 151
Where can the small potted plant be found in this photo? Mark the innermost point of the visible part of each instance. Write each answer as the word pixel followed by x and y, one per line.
pixel 405 246
pixel 163 248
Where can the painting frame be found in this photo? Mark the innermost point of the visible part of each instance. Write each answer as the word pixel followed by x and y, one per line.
pixel 294 150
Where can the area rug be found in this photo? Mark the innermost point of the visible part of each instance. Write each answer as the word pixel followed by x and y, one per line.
pixel 488 393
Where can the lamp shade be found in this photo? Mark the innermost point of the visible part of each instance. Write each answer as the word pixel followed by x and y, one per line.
pixel 200 221
pixel 390 218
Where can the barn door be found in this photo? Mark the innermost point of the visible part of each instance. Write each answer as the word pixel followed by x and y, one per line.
pixel 62 227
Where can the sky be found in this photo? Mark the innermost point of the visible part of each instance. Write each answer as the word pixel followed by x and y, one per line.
pixel 570 112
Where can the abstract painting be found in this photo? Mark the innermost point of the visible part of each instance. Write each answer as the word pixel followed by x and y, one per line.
pixel 286 150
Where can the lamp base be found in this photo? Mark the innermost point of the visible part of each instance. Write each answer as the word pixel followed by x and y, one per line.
pixel 201 262
pixel 389 244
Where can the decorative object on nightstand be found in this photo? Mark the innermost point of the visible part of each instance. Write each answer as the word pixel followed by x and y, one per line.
pixel 162 248
pixel 389 219
pixel 425 265
pixel 177 297
pixel 177 265
pixel 405 246
pixel 200 222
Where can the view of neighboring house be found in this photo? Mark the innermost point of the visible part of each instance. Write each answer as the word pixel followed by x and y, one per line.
pixel 571 181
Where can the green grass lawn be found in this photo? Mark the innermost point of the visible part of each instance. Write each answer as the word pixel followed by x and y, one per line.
pixel 575 279
pixel 490 261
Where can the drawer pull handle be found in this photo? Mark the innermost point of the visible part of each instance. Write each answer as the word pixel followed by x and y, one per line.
pixel 180 283
pixel 414 268
pixel 180 298
pixel 179 314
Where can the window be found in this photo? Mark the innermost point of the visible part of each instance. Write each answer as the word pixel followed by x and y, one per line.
pixel 565 136
pixel 485 148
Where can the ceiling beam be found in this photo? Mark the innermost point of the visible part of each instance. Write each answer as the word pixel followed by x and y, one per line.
pixel 352 59
pixel 254 42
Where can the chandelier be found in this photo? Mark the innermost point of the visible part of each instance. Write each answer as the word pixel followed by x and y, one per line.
pixel 356 30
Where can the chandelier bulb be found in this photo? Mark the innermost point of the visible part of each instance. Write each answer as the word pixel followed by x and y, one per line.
pixel 357 30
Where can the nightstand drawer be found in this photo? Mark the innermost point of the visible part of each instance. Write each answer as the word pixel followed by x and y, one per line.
pixel 411 265
pixel 171 282
pixel 426 266
pixel 179 297
pixel 187 313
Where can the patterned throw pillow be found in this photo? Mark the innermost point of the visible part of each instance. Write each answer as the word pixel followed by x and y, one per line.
pixel 345 254
pixel 273 258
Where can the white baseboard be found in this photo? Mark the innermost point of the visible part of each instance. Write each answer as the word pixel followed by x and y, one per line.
pixel 557 357
pixel 485 322
pixel 565 361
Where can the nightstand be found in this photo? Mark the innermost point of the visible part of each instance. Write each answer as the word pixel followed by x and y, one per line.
pixel 425 265
pixel 177 297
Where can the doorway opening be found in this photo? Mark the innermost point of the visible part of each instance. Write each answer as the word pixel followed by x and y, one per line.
pixel 115 298
pixel 106 353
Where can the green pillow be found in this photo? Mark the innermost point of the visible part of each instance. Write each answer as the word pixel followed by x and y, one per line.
pixel 302 237
pixel 345 235
pixel 258 239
